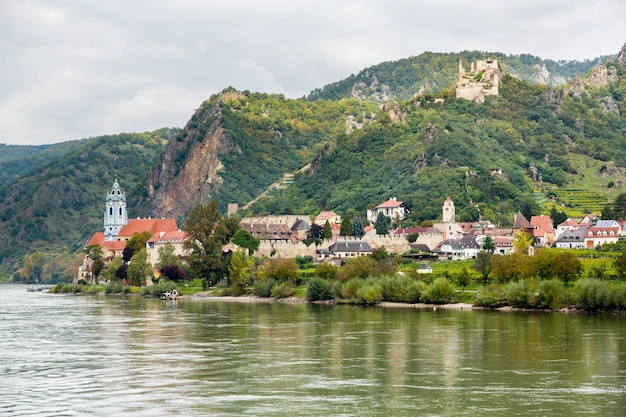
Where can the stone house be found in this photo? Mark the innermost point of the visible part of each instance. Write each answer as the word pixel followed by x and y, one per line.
pixel 344 250
pixel 391 208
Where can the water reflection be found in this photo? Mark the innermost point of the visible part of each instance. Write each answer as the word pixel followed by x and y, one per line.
pixel 69 355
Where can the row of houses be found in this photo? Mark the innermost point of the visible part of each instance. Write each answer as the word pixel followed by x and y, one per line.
pixel 447 239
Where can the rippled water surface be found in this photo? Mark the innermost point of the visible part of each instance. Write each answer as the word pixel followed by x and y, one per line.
pixel 63 355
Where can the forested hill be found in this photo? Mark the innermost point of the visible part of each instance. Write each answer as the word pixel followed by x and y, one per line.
pixel 17 160
pixel 430 73
pixel 526 149
pixel 58 205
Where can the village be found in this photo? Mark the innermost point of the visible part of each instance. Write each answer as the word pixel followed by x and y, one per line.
pixel 287 236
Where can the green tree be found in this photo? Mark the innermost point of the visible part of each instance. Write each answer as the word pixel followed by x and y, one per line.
pixel 559 217
pixel 566 267
pixel 522 241
pixel 489 245
pixel 207 233
pixel 283 270
pixel 382 224
pixel 357 228
pixel 167 256
pixel 239 271
pixel 463 278
pixel 326 270
pixel 620 265
pixel 346 227
pixel 244 239
pixel 482 265
pixel 33 267
pixel 139 268
pixel 111 269
pixel 328 231
pixel 619 206
pixel 138 241
pixel 97 267
pixel 93 252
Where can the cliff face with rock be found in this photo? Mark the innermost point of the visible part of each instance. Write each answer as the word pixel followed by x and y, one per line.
pixel 189 170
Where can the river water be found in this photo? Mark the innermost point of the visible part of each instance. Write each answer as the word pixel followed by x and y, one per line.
pixel 65 355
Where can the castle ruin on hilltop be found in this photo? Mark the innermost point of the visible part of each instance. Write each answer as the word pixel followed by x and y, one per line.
pixel 481 80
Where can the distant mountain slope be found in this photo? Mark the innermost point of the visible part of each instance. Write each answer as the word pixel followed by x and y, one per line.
pixel 59 205
pixel 430 72
pixel 17 160
pixel 493 159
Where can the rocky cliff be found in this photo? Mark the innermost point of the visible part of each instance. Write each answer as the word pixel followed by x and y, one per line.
pixel 188 172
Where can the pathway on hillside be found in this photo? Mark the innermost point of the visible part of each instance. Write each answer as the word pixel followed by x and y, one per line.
pixel 276 185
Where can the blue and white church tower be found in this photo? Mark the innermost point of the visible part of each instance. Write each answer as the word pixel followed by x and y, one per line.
pixel 115 215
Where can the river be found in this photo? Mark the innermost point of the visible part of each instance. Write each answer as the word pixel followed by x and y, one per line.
pixel 65 355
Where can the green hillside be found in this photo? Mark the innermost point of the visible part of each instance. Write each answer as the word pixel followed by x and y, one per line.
pixel 18 160
pixel 520 150
pixel 430 73
pixel 59 205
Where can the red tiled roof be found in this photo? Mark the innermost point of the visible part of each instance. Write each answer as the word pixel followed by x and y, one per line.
pixel 392 202
pixel 325 215
pixel 176 236
pixel 148 225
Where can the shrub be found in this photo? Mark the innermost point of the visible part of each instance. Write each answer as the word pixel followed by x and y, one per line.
pixel 551 294
pixel 517 294
pixel 326 270
pixel 591 295
pixel 264 288
pixel 490 296
pixel 282 290
pixel 113 288
pixel 370 293
pixel 350 288
pixel 402 290
pixel 318 289
pixel 441 291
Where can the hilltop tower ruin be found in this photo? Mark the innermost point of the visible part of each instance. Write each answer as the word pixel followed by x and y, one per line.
pixel 482 80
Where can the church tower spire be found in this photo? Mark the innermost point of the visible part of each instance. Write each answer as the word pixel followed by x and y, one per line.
pixel 448 212
pixel 115 215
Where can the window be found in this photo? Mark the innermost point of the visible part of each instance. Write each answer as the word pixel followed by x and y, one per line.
pixel 110 211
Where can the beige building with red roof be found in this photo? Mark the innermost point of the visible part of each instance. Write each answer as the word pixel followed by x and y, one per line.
pixel 327 216
pixel 390 208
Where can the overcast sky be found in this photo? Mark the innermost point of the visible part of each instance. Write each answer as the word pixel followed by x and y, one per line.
pixel 71 69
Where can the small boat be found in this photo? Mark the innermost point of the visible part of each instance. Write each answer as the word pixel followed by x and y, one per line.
pixel 169 295
pixel 35 287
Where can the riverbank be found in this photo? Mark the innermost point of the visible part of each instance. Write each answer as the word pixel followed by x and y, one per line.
pixel 208 296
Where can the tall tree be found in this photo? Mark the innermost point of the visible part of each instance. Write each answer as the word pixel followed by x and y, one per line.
pixel 382 224
pixel 619 207
pixel 482 265
pixel 33 267
pixel 357 228
pixel 328 231
pixel 167 256
pixel 489 245
pixel 244 239
pixel 239 271
pixel 139 268
pixel 346 227
pixel 207 233
pixel 620 265
pixel 566 267
pixel 559 217
pixel 522 241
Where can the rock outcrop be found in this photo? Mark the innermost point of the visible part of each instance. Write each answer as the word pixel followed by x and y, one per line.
pixel 188 172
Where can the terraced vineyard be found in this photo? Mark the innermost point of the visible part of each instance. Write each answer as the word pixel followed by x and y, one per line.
pixel 580 202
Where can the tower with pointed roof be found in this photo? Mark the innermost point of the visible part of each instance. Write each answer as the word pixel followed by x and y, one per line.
pixel 115 214
pixel 448 212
